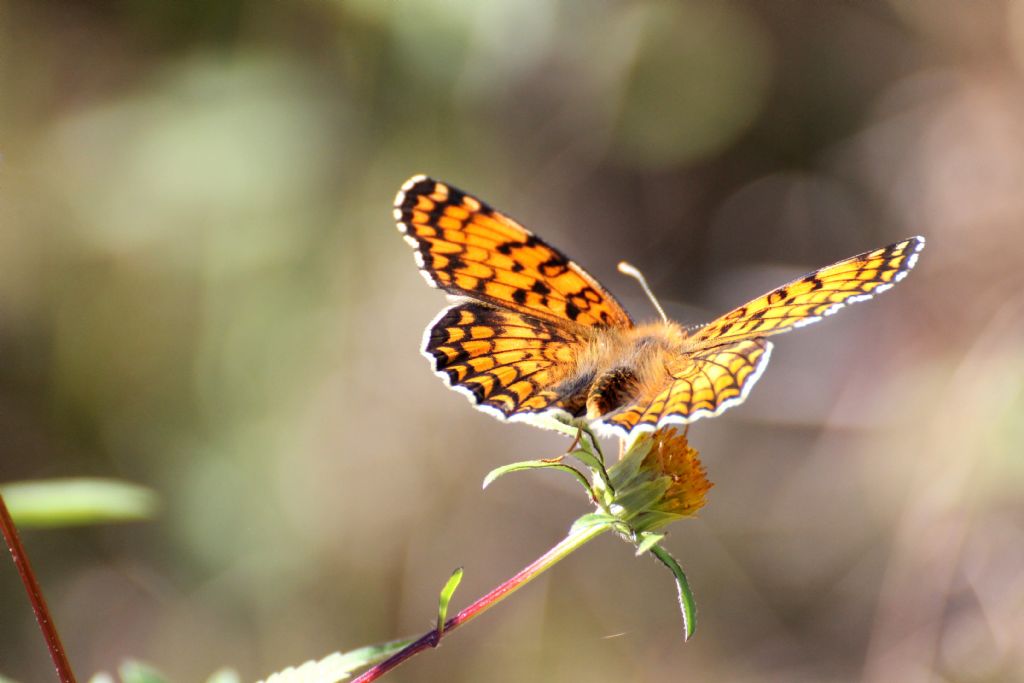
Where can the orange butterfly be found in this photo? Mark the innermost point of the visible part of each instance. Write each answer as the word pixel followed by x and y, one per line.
pixel 534 334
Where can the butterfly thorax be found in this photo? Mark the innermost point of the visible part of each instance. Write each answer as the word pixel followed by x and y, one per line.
pixel 625 365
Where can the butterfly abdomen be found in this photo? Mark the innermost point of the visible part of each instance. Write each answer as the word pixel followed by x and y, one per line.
pixel 612 390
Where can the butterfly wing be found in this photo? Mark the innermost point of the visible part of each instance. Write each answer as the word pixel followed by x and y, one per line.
pixel 509 364
pixel 466 248
pixel 813 296
pixel 705 383
pixel 724 359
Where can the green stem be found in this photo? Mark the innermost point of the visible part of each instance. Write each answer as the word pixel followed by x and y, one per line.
pixel 569 544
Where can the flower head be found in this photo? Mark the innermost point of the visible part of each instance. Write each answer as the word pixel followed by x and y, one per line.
pixel 660 479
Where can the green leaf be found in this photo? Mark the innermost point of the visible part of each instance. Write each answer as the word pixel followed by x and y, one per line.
pixel 70 502
pixel 686 601
pixel 589 459
pixel 132 671
pixel 337 666
pixel 369 655
pixel 446 597
pixel 536 465
pixel 648 539
pixel 568 428
pixel 4 679
pixel 224 676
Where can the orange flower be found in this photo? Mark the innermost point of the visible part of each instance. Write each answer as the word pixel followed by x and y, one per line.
pixel 672 456
pixel 660 479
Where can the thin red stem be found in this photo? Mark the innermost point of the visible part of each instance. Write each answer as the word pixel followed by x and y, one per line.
pixel 524 576
pixel 35 596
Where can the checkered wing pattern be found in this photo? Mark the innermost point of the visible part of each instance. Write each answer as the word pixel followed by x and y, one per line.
pixel 466 248
pixel 505 362
pixel 815 295
pixel 704 384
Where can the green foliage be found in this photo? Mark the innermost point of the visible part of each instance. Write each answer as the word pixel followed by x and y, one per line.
pixel 446 597
pixel 72 502
pixel 686 601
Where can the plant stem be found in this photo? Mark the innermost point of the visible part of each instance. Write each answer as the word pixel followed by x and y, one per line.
pixel 35 596
pixel 432 638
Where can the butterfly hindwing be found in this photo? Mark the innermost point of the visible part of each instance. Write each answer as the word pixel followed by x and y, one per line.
pixel 466 248
pixel 507 363
pixel 703 384
pixel 808 299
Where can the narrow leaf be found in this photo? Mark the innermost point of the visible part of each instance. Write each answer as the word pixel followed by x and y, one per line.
pixel 446 597
pixel 686 601
pixel 68 502
pixel 648 540
pixel 536 465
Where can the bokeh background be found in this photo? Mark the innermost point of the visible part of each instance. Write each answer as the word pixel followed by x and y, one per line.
pixel 202 291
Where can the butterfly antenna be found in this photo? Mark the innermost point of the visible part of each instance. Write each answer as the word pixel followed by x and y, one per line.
pixel 630 270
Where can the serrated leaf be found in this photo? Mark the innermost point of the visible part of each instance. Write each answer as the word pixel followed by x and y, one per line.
pixel 337 666
pixel 686 602
pixel 446 597
pixel 369 655
pixel 535 465
pixel 132 671
pixel 72 502
pixel 648 540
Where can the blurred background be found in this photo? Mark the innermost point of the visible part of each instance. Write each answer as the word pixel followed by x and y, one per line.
pixel 202 291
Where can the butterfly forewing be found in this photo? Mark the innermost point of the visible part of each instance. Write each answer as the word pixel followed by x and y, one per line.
pixel 817 294
pixel 467 248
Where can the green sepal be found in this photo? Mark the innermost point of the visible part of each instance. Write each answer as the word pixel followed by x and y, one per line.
pixel 622 472
pixel 77 501
pixel 536 465
pixel 592 519
pixel 648 539
pixel 641 496
pixel 686 602
pixel 653 519
pixel 446 597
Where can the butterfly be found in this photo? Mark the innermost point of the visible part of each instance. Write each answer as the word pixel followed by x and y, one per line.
pixel 531 334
